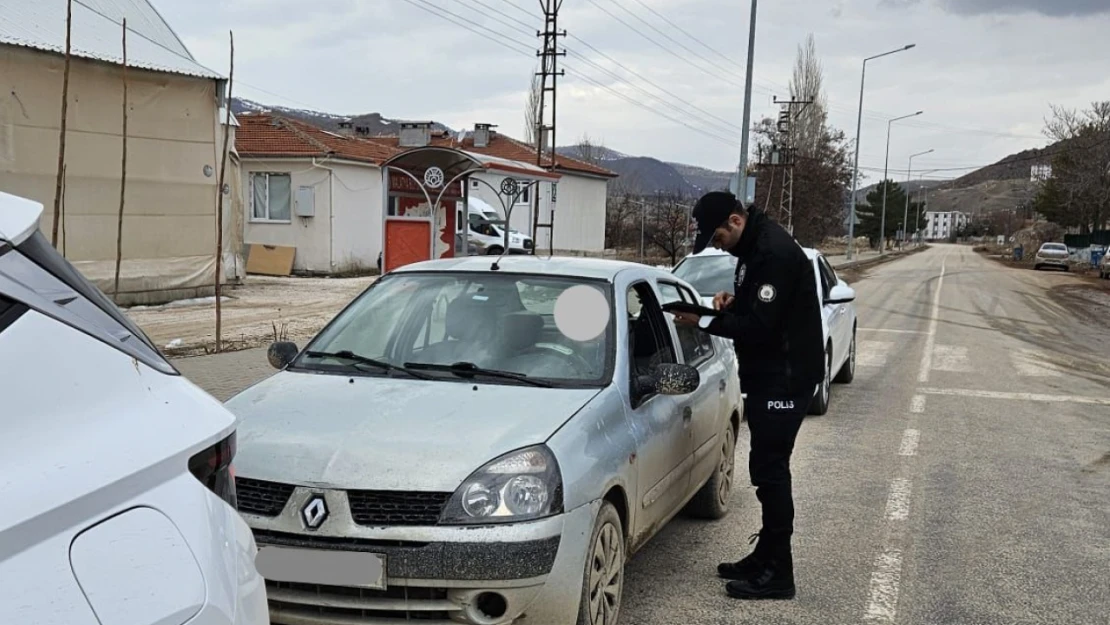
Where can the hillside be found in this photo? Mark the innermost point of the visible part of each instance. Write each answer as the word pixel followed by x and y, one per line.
pixel 1014 167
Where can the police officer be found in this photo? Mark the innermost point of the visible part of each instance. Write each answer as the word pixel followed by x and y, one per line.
pixel 774 321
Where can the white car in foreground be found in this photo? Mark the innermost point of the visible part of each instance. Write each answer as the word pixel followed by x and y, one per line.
pixel 117 480
pixel 713 271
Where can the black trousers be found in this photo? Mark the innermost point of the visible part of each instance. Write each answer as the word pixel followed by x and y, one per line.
pixel 774 422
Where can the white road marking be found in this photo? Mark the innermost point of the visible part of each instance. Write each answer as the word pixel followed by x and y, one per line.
pixel 951 358
pixel 930 340
pixel 882 605
pixel 1032 363
pixel 1039 397
pixel 917 404
pixel 909 443
pixel 892 331
pixel 898 502
pixel 873 353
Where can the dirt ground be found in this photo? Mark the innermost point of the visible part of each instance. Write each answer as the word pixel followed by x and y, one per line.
pixel 253 315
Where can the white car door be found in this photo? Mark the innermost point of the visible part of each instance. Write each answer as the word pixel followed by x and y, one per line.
pixel 839 322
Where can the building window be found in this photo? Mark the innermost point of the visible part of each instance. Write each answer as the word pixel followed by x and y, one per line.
pixel 271 197
pixel 525 196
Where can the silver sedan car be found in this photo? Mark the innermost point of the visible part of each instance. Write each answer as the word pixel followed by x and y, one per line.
pixel 486 443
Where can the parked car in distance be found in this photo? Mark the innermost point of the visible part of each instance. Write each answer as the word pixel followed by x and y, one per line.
pixel 119 504
pixel 1052 255
pixel 446 451
pixel 713 271
pixel 1104 265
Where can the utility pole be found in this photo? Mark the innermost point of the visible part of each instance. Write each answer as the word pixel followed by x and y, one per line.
pixel 859 130
pixel 886 176
pixel 545 121
pixel 785 154
pixel 741 190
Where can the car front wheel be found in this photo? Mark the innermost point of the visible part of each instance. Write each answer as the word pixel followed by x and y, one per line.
pixel 603 580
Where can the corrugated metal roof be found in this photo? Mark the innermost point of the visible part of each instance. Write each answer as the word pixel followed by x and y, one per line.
pixel 97 33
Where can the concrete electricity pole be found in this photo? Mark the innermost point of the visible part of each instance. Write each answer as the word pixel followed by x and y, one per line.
pixel 906 213
pixel 859 130
pixel 740 189
pixel 886 176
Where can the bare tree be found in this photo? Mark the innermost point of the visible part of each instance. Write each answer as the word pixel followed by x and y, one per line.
pixel 1078 192
pixel 123 173
pixel 532 111
pixel 588 150
pixel 220 196
pixel 668 226
pixel 807 83
pixel 62 133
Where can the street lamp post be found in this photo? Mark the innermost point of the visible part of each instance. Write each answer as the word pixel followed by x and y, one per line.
pixel 886 175
pixel 859 130
pixel 741 187
pixel 906 213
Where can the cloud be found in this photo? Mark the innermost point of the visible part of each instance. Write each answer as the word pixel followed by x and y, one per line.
pixel 1051 8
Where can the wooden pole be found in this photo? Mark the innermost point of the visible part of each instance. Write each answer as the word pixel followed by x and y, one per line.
pixel 220 195
pixel 123 172
pixel 65 238
pixel 62 139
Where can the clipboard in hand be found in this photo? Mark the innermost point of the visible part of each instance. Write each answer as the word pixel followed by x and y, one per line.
pixel 694 309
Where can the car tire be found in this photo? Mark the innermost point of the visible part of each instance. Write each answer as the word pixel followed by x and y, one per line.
pixel 847 372
pixel 1036 267
pixel 494 250
pixel 603 578
pixel 712 501
pixel 820 405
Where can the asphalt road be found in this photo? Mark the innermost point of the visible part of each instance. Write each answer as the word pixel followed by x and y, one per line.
pixel 962 478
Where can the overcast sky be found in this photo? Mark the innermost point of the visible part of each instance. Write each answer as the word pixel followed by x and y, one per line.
pixel 984 71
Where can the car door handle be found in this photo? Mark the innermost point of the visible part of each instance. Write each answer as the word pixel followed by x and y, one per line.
pixel 687 413
pixel 721 386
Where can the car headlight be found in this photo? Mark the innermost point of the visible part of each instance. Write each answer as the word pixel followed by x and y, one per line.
pixel 520 486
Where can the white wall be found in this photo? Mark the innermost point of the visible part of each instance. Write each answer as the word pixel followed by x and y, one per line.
pixel 521 218
pixel 345 233
pixel 579 214
pixel 357 206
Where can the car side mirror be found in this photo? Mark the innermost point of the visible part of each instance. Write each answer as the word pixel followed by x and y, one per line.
pixel 669 379
pixel 841 294
pixel 281 353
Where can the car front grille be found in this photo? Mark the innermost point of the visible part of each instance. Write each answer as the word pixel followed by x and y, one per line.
pixel 262 498
pixel 387 508
pixel 303 604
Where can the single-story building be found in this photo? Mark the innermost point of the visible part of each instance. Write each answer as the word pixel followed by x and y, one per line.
pixel 175 124
pixel 314 190
pixel 323 192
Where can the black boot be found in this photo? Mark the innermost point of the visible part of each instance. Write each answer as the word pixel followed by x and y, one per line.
pixel 746 567
pixel 773 580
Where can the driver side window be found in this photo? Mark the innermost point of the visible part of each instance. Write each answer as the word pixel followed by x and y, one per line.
pixel 828 276
pixel 649 341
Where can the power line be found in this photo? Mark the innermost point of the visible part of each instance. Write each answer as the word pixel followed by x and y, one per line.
pixel 679 29
pixel 725 125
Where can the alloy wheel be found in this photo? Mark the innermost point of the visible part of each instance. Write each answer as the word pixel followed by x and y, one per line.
pixel 727 467
pixel 606 576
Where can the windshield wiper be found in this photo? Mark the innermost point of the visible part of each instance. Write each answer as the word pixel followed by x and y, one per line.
pixel 347 354
pixel 469 370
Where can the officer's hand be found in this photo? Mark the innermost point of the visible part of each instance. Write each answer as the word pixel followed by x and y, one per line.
pixel 722 300
pixel 686 319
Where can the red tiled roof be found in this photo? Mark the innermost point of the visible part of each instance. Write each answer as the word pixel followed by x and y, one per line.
pixel 260 135
pixel 502 146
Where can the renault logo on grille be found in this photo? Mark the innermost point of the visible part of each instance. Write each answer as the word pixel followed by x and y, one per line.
pixel 315 512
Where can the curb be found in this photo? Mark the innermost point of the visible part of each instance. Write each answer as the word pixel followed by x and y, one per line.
pixel 882 258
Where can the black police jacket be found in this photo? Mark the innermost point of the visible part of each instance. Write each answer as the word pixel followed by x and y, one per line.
pixel 775 318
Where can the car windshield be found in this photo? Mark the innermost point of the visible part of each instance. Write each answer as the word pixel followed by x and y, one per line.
pixel 1055 247
pixel 709 275
pixel 494 321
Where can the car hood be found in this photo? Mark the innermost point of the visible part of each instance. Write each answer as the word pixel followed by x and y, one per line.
pixel 376 433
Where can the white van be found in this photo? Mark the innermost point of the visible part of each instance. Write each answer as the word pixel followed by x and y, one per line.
pixel 487 230
pixel 118 490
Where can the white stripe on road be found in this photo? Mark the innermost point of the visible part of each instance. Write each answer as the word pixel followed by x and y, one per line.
pixel 930 340
pixel 1062 399
pixel 882 605
pixel 1033 364
pixel 917 405
pixel 898 502
pixel 951 358
pixel 873 353
pixel 909 443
